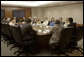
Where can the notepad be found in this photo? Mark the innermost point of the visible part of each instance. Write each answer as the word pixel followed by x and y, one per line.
pixel 44 32
pixel 39 30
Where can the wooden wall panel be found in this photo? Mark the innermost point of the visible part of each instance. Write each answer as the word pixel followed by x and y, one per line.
pixel 8 11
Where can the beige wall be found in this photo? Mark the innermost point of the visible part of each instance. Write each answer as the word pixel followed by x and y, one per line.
pixel 38 12
pixel 75 11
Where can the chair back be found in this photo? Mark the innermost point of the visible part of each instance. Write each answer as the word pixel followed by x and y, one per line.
pixel 66 35
pixel 8 30
pixel 16 32
pixel 79 33
pixel 4 29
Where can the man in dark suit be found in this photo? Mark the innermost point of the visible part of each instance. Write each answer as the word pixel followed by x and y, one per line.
pixel 61 20
pixel 27 29
pixel 71 23
pixel 73 42
pixel 28 20
pixel 29 38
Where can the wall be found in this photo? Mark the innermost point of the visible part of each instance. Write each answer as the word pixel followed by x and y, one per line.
pixel 8 11
pixel 75 11
pixel 37 12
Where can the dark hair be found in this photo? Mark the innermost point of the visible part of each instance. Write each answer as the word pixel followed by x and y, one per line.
pixel 71 19
pixel 11 19
pixel 57 22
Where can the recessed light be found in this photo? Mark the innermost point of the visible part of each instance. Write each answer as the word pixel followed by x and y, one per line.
pixel 26 3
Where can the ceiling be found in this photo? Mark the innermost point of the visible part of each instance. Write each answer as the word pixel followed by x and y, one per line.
pixel 37 3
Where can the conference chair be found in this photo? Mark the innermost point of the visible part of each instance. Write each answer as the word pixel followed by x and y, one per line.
pixel 64 40
pixel 17 37
pixel 79 33
pixel 78 37
pixel 7 32
pixel 3 28
pixel 24 45
pixel 4 32
pixel 9 35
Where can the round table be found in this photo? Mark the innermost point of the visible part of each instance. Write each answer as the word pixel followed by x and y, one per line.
pixel 43 35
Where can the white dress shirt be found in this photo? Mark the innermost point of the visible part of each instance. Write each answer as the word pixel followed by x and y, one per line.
pixel 45 23
pixel 11 24
pixel 66 25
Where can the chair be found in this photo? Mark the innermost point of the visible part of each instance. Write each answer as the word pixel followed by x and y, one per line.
pixel 17 37
pixel 25 45
pixel 64 40
pixel 16 34
pixel 8 30
pixel 4 32
pixel 79 33
pixel 9 35
pixel 79 36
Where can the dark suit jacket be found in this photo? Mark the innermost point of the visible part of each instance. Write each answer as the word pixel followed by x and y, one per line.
pixel 28 20
pixel 73 39
pixel 72 25
pixel 27 30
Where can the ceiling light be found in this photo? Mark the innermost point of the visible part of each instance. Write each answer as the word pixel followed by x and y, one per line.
pixel 28 3
pixel 23 3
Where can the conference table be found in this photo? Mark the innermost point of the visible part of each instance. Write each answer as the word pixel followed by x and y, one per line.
pixel 43 35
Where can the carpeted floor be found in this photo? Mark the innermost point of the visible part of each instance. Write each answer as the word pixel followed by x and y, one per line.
pixel 5 51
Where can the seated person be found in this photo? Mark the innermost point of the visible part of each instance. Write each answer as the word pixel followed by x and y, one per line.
pixel 18 20
pixel 66 23
pixel 69 23
pixel 15 20
pixel 52 22
pixel 42 21
pixel 24 19
pixel 3 19
pixel 56 32
pixel 27 29
pixel 34 21
pixel 12 23
pixel 28 20
pixel 19 23
pixel 37 21
pixel 73 41
pixel 8 20
pixel 21 20
pixel 45 22
pixel 61 21
pixel 28 34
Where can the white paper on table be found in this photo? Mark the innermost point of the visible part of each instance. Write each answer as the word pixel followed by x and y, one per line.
pixel 44 31
pixel 40 26
pixel 48 30
pixel 39 30
pixel 47 26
